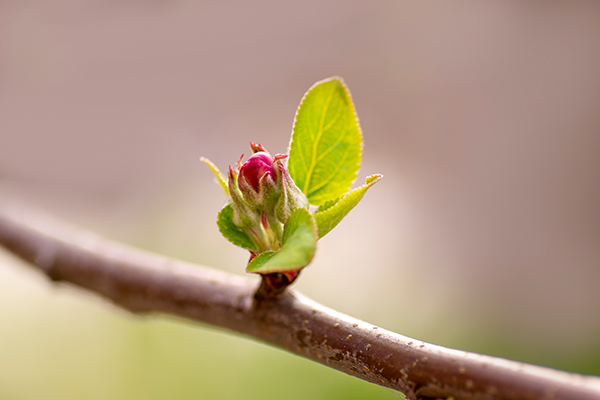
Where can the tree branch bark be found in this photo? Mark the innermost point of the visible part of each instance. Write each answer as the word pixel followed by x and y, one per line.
pixel 147 283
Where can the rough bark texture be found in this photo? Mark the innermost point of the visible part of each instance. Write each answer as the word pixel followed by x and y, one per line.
pixel 143 282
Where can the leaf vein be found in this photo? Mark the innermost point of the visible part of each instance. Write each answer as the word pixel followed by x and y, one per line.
pixel 332 175
pixel 340 137
pixel 316 141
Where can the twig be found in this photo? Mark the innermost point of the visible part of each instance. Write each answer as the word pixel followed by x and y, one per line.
pixel 144 282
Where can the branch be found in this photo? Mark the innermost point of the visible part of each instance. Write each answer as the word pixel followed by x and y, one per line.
pixel 147 283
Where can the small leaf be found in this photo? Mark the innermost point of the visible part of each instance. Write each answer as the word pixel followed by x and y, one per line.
pixel 325 151
pixel 328 218
pixel 220 178
pixel 233 233
pixel 298 249
pixel 258 261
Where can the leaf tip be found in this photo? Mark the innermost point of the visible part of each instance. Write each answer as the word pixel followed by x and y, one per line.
pixel 373 179
pixel 218 175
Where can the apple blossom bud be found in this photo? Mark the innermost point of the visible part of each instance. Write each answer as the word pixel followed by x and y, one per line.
pixel 259 182
pixel 258 166
pixel 263 195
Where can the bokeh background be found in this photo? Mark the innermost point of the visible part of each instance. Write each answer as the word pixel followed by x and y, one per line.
pixel 484 234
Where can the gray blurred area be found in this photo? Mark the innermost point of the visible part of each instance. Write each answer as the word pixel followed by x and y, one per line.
pixel 483 117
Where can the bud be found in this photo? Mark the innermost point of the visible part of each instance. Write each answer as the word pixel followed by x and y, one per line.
pixel 291 196
pixel 258 166
pixel 263 195
pixel 259 182
pixel 243 214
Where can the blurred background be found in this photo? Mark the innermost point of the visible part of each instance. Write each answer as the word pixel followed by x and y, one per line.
pixel 483 235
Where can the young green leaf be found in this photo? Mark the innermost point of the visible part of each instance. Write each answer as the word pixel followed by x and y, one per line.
pixel 231 232
pixel 257 262
pixel 220 178
pixel 298 249
pixel 326 146
pixel 329 217
pixel 327 204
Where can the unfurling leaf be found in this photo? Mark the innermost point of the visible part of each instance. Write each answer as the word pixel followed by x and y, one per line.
pixel 334 211
pixel 297 250
pixel 326 146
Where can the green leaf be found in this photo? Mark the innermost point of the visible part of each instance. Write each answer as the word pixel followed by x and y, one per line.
pixel 327 204
pixel 298 249
pixel 325 151
pixel 328 218
pixel 220 178
pixel 232 232
pixel 257 262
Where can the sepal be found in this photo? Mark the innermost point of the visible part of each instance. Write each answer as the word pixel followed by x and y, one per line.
pixel 243 213
pixel 221 181
pixel 291 198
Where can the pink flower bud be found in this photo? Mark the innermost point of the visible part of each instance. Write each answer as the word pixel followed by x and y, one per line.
pixel 256 168
pixel 263 195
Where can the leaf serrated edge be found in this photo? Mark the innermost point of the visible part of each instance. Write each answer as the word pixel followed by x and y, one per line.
pixel 370 181
pixel 328 204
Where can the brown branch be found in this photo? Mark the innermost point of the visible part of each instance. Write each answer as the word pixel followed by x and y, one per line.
pixel 143 282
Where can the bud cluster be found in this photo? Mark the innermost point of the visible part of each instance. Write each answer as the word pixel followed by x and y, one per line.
pixel 263 195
